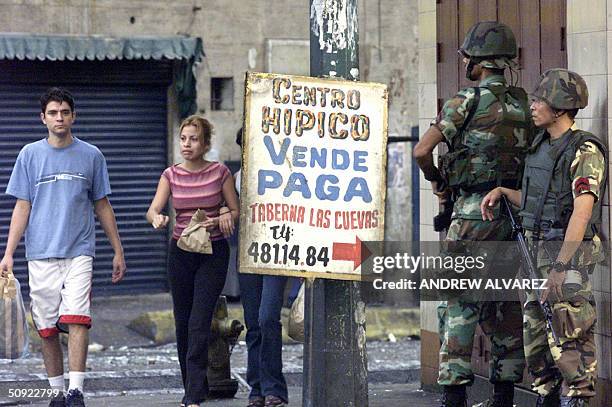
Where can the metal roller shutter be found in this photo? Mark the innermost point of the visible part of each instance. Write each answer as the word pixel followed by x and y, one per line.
pixel 127 122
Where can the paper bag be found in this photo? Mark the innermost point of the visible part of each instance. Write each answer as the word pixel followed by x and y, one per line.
pixel 195 238
pixel 295 326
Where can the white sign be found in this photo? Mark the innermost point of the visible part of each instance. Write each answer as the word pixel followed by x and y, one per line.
pixel 313 175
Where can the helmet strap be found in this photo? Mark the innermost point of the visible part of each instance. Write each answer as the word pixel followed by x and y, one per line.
pixel 513 79
pixel 557 114
pixel 469 67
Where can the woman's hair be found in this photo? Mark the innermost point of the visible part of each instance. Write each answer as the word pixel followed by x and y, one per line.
pixel 239 137
pixel 203 127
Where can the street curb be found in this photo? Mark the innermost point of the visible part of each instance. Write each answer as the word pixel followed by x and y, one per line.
pixel 379 376
pixel 381 322
pixel 170 380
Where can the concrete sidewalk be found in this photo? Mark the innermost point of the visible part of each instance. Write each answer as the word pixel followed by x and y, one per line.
pixel 141 369
pixel 125 368
pixel 380 395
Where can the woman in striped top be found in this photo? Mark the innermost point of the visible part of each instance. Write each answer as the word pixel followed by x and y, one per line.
pixel 196 279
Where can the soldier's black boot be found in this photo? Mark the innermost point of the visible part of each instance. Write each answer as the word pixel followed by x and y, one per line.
pixel 551 399
pixel 454 396
pixel 503 394
pixel 573 402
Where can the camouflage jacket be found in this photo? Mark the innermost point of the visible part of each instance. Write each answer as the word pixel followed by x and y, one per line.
pixel 488 122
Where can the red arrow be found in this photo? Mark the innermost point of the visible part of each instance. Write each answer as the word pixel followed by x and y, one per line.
pixel 350 252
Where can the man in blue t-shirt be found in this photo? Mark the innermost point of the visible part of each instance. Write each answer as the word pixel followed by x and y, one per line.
pixel 59 182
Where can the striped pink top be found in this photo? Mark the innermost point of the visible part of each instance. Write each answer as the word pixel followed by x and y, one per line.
pixel 196 190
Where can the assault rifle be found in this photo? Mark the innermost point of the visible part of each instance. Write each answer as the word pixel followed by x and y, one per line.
pixel 442 220
pixel 529 267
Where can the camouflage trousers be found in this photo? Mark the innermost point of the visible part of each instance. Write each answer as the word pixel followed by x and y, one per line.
pixel 501 321
pixel 572 364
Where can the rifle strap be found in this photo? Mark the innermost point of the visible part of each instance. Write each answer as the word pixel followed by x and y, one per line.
pixel 472 111
pixel 468 118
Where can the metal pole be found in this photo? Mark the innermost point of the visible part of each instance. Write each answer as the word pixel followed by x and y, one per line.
pixel 335 364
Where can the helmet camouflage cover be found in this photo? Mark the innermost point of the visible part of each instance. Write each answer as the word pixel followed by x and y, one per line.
pixel 562 89
pixel 491 44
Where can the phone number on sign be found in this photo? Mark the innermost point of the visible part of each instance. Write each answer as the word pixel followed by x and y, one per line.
pixel 32 393
pixel 288 254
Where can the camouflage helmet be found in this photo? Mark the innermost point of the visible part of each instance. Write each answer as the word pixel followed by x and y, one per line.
pixel 497 63
pixel 491 44
pixel 562 89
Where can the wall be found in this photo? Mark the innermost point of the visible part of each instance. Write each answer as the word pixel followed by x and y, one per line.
pixel 388 54
pixel 589 41
pixel 427 96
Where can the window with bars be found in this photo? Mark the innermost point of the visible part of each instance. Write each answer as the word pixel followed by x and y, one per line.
pixel 222 93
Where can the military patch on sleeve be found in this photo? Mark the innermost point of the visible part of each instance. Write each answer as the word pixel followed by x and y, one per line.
pixel 587 170
pixel 582 185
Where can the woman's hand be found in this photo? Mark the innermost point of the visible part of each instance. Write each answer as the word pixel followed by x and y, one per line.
pixel 154 215
pixel 160 221
pixel 211 223
pixel 489 202
pixel 226 223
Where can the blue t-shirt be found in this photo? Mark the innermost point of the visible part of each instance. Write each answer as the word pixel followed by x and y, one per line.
pixel 61 184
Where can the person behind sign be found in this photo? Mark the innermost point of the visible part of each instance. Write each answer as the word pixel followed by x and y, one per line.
pixel 196 279
pixel 262 300
pixel 60 182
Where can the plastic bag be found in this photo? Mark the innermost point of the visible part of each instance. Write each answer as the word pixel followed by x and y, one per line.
pixel 295 325
pixel 14 337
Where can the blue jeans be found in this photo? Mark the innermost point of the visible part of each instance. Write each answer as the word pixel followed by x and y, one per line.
pixel 262 299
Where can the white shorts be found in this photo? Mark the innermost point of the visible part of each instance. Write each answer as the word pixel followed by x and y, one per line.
pixel 60 290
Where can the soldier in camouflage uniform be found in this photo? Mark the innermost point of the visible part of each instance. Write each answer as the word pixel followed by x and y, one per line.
pixel 487 129
pixel 562 191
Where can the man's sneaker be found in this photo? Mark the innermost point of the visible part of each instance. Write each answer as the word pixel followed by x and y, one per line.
pixel 74 398
pixel 256 401
pixel 488 403
pixel 59 400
